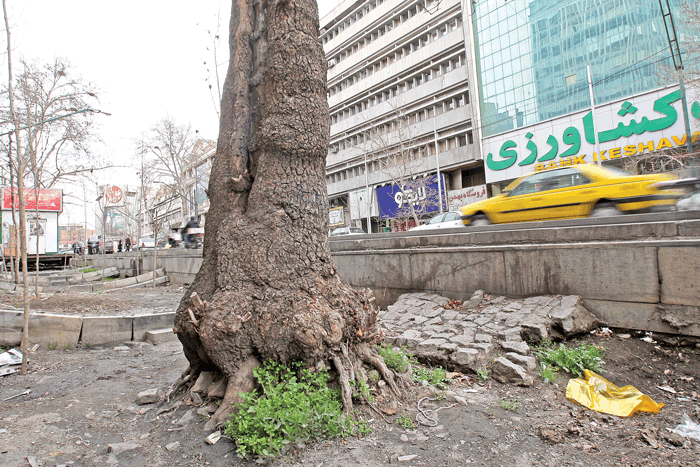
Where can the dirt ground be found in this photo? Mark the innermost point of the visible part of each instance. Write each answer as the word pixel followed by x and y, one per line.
pixel 82 400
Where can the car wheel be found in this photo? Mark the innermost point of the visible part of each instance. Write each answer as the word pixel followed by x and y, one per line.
pixel 605 210
pixel 479 220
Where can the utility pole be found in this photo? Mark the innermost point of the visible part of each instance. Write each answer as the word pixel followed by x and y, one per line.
pixel 678 65
pixel 595 135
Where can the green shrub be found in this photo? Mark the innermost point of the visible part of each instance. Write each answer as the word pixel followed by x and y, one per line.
pixel 86 270
pixel 483 374
pixel 395 358
pixel 573 360
pixel 295 406
pixel 548 373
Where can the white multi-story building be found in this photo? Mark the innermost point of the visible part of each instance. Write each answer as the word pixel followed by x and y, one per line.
pixel 398 83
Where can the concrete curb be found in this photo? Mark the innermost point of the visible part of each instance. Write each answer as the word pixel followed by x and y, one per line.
pixel 61 331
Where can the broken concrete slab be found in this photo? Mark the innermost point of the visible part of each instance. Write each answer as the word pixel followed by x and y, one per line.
pixel 506 372
pixel 160 336
pixel 103 329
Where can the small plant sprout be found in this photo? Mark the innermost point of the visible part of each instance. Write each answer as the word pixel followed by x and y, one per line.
pixel 483 374
pixel 405 422
pixel 573 360
pixel 509 404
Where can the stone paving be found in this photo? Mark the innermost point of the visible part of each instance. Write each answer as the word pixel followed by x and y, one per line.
pixel 485 332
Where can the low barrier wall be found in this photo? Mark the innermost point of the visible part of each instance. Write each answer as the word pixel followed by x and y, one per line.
pixel 638 272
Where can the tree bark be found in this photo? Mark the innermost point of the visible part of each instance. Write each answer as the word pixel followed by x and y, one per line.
pixel 268 285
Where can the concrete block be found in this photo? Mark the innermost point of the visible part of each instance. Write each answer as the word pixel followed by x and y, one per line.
pixel 680 270
pixel 689 228
pixel 100 286
pixel 11 327
pixel 458 272
pixel 148 276
pixel 102 329
pixel 58 330
pixel 81 288
pixel 647 316
pixel 125 282
pixel 7 285
pixel 160 335
pixel 144 323
pixel 614 272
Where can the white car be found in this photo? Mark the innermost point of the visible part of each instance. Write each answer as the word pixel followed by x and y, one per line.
pixel 446 220
pixel 347 231
pixel 145 243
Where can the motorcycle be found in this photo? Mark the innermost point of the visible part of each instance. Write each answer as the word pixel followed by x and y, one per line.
pixel 194 237
pixel 175 238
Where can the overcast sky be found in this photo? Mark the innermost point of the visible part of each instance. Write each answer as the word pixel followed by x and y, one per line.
pixel 145 56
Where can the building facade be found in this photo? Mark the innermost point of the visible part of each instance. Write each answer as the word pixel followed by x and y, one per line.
pixel 534 108
pixel 401 109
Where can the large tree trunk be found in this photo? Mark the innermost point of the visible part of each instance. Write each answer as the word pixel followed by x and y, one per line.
pixel 269 287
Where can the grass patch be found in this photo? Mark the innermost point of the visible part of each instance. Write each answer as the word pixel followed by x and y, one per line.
pixel 295 406
pixel 573 360
pixel 86 270
pixel 432 376
pixel 395 358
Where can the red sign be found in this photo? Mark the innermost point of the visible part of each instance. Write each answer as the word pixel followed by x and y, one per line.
pixel 49 200
pixel 113 194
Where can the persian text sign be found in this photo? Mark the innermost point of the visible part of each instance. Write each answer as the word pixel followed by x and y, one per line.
pixel 335 216
pixel 49 200
pixel 642 124
pixel 421 194
pixel 458 198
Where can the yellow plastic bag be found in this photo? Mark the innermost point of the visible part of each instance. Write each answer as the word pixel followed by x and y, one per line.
pixel 599 394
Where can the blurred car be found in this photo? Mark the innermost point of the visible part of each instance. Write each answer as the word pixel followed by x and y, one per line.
pixel 583 190
pixel 689 202
pixel 347 231
pixel 146 243
pixel 446 220
pixel 110 246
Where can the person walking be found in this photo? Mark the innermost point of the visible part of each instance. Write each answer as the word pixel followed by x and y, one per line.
pixel 119 246
pixel 127 244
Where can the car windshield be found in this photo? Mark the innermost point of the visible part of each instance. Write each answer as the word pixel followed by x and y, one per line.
pixel 618 172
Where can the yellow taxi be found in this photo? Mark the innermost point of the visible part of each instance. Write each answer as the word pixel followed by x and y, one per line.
pixel 570 192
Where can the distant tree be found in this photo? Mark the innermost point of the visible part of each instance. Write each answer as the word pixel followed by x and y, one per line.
pixel 400 154
pixel 168 157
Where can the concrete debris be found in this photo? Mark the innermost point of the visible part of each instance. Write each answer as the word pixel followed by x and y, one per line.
pixel 172 446
pixel 506 372
pixel 148 396
pixel 118 448
pixel 468 338
pixel 213 438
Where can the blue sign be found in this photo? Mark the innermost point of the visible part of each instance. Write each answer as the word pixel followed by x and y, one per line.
pixel 421 193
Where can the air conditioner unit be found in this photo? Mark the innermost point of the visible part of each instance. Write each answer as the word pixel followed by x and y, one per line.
pixel 331 63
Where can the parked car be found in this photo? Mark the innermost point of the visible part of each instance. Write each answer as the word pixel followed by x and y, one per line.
pixel 146 243
pixel 347 231
pixel 110 246
pixel 571 192
pixel 446 220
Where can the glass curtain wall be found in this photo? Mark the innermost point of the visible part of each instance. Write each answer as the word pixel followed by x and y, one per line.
pixel 532 56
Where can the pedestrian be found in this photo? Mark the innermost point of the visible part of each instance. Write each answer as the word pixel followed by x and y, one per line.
pixel 127 244
pixel 119 246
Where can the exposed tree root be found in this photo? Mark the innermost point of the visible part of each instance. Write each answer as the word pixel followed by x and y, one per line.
pixel 343 379
pixel 186 379
pixel 242 380
pixel 377 362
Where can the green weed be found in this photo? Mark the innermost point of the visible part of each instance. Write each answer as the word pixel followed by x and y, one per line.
pixel 295 405
pixel 395 358
pixel 548 373
pixel 405 422
pixel 432 376
pixel 573 360
pixel 483 374
pixel 88 345
pixel 86 270
pixel 509 404
pixel 53 345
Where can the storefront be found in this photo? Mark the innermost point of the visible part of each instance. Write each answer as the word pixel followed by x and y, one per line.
pixel 42 225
